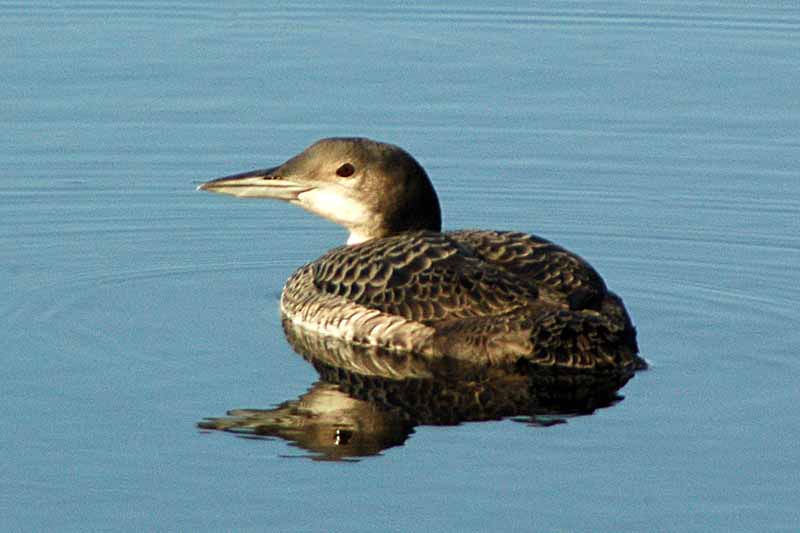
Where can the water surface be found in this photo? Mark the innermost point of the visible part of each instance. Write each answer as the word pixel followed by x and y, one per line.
pixel 657 140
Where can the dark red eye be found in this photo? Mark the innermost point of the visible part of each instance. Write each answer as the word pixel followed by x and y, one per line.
pixel 346 170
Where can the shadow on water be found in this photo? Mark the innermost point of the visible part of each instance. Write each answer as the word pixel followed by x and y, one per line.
pixel 369 399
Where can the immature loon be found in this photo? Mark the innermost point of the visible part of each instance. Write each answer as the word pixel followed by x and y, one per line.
pixel 492 298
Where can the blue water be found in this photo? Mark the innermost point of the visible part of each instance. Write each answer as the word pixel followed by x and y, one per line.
pixel 658 140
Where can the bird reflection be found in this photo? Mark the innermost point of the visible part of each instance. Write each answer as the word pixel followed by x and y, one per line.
pixel 369 399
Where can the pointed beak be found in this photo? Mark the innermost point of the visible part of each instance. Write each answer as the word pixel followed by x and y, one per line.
pixel 266 183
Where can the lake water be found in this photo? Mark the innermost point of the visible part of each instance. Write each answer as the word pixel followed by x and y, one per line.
pixel 660 140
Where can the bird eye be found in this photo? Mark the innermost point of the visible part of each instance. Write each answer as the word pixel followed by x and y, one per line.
pixel 346 170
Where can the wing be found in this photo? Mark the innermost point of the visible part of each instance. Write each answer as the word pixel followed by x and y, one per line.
pixel 558 273
pixel 422 276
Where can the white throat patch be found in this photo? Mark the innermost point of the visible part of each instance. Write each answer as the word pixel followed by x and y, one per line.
pixel 356 238
pixel 339 208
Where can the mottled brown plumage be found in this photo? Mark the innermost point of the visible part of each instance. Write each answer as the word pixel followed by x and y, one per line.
pixel 499 297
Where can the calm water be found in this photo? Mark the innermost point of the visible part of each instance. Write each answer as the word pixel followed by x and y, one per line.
pixel 658 140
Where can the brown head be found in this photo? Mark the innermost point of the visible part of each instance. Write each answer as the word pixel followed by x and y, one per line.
pixel 371 188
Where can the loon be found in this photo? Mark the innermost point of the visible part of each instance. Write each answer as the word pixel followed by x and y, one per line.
pixel 491 298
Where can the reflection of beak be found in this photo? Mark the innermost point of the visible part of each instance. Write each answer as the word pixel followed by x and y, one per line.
pixel 265 183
